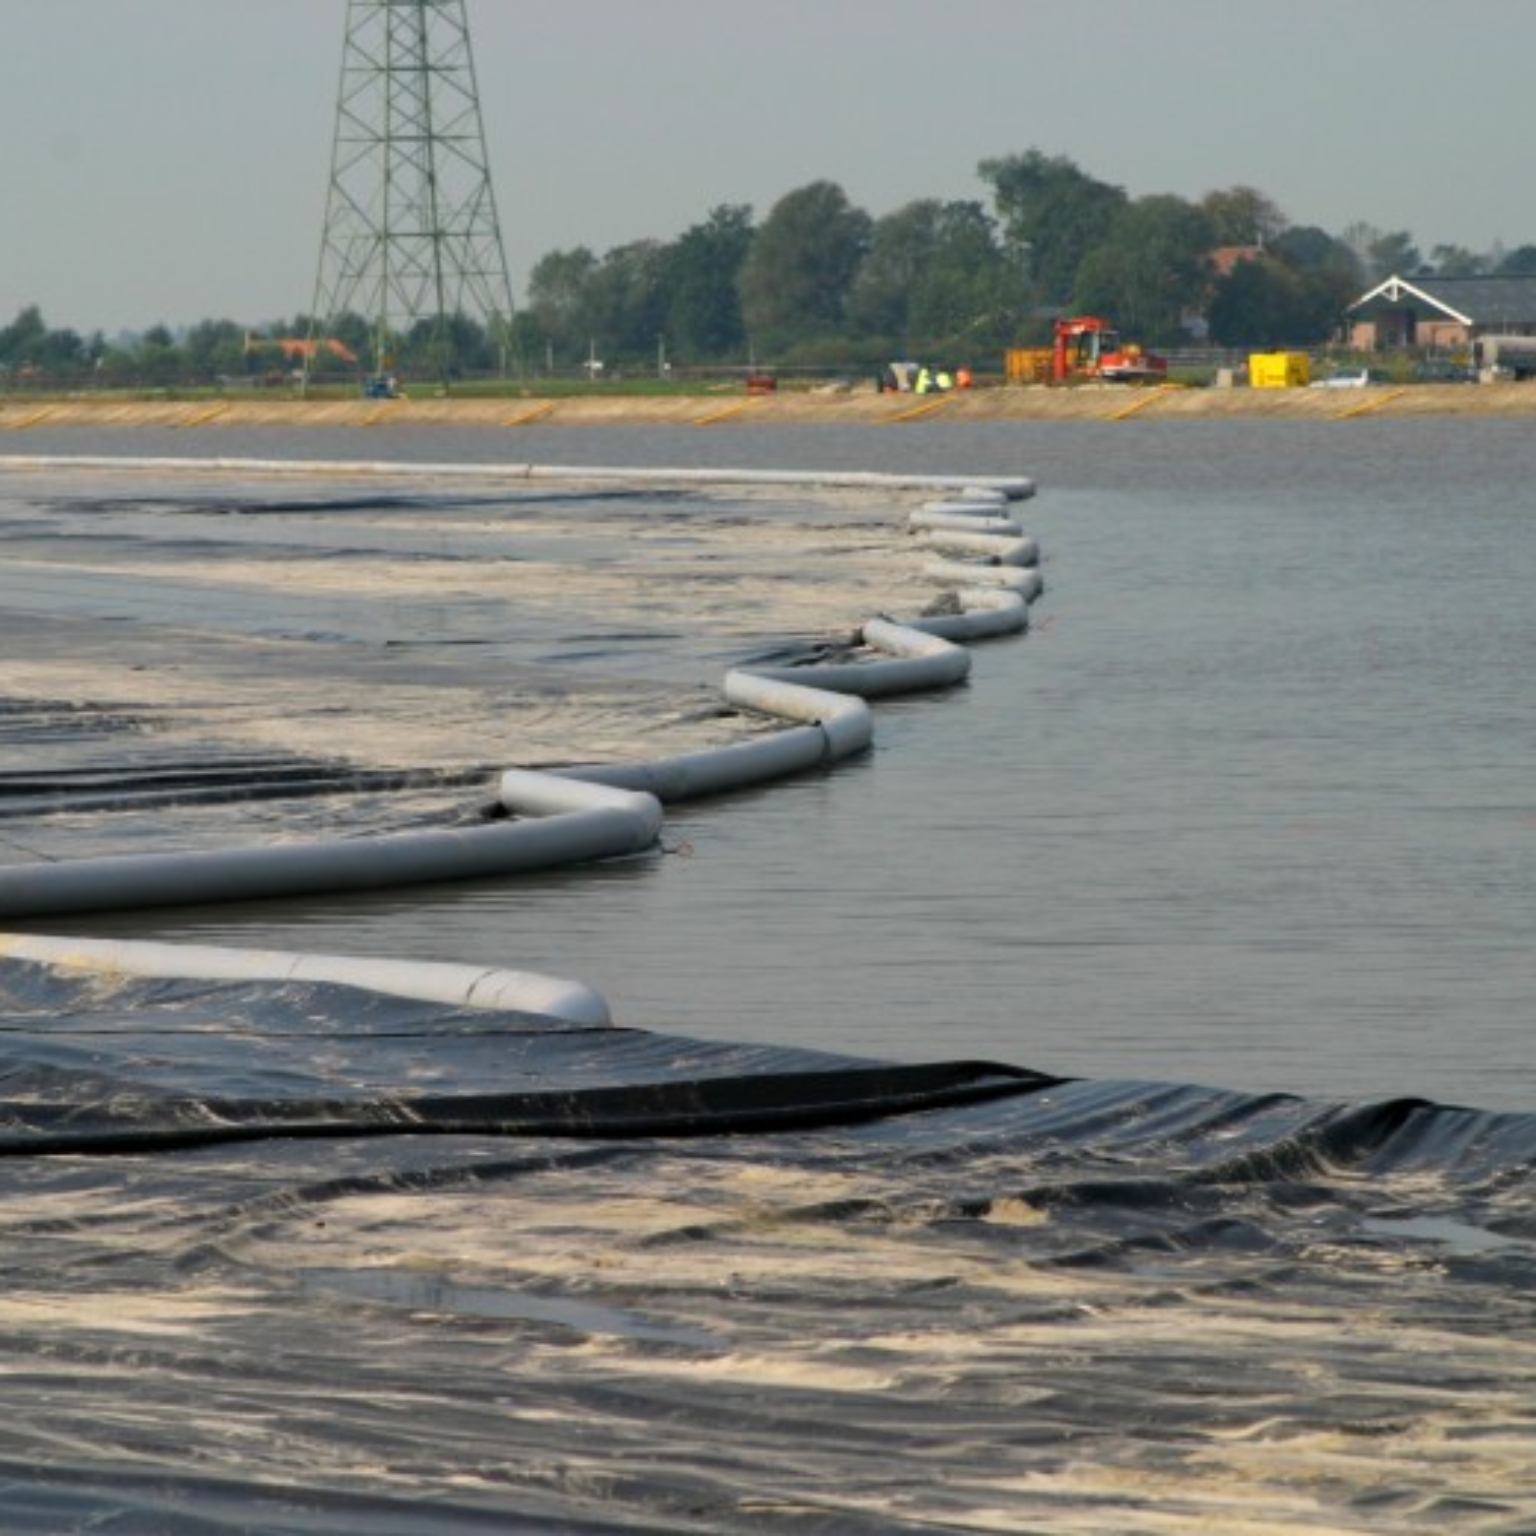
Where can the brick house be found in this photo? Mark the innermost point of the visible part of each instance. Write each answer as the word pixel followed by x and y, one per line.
pixel 1447 313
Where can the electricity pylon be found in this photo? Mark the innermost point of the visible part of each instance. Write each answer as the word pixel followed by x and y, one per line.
pixel 411 240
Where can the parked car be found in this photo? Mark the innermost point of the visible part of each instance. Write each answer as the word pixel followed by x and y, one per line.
pixel 1441 370
pixel 1350 378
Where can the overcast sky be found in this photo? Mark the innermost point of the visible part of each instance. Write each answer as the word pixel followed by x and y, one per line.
pixel 167 160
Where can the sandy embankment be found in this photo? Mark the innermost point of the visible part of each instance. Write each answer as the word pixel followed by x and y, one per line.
pixel 829 406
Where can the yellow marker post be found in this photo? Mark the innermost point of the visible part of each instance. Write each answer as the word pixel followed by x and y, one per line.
pixel 33 419
pixel 201 418
pixel 537 413
pixel 1140 405
pixel 724 414
pixel 1367 406
pixel 917 412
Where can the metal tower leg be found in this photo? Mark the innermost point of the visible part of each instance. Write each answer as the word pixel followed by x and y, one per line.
pixel 412 245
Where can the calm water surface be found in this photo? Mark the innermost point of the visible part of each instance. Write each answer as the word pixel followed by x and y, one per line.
pixel 1253 805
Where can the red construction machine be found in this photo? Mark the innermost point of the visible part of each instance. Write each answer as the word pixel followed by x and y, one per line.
pixel 1085 348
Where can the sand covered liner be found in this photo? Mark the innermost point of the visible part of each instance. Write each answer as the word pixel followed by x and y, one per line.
pixel 163 621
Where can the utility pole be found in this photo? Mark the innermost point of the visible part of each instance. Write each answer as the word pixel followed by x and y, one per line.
pixel 411 241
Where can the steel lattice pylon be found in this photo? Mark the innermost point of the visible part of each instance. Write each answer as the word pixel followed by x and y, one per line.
pixel 411 237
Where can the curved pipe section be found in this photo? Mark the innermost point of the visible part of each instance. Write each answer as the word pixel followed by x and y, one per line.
pixel 993 549
pixel 570 823
pixel 918 660
pixel 843 719
pixel 602 811
pixel 1026 580
pixel 984 612
pixel 935 521
pixel 459 986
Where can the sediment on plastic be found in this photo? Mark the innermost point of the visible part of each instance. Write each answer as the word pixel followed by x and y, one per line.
pixel 599 811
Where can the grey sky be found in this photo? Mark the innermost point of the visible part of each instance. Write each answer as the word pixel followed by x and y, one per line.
pixel 167 159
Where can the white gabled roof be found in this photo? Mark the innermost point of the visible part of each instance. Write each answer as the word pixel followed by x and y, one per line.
pixel 1396 289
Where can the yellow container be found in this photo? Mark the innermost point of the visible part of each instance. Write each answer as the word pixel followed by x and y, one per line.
pixel 1027 365
pixel 1279 370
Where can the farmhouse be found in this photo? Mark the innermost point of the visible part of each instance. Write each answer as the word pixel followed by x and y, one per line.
pixel 1442 313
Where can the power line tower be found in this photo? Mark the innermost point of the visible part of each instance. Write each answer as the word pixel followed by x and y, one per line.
pixel 411 240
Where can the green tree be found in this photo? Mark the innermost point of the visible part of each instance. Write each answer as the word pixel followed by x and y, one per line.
pixel 1381 253
pixel 29 348
pixel 1310 249
pixel 1149 275
pixel 935 279
pixel 969 296
pixel 1269 303
pixel 21 342
pixel 1457 261
pixel 795 279
pixel 1520 262
pixel 1241 216
pixel 629 300
pixel 703 319
pixel 156 359
pixel 447 349
pixel 562 300
pixel 215 347
pixel 901 247
pixel 1052 214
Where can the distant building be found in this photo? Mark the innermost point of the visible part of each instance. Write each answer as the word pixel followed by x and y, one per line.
pixel 1448 313
pixel 1219 263
pixel 1224 258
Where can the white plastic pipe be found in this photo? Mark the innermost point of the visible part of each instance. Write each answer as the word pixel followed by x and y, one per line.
pixel 714 770
pixel 1001 551
pixel 984 612
pixel 1026 581
pixel 918 660
pixel 843 720
pixel 463 986
pixel 964 522
pixel 572 823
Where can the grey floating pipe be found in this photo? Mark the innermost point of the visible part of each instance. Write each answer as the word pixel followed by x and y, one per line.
pixel 984 612
pixel 937 518
pixel 994 549
pixel 915 659
pixel 571 823
pixel 1025 580
pixel 462 986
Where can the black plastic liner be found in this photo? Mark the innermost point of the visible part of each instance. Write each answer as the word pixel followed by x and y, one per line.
pixel 302 1258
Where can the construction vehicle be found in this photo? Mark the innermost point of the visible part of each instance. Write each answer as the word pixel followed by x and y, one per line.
pixel 1086 348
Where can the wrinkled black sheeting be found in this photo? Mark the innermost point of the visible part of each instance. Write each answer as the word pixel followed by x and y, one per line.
pixel 731 1106
pixel 1187 1288
pixel 145 1065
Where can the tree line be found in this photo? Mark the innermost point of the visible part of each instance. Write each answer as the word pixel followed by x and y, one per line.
pixel 819 283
